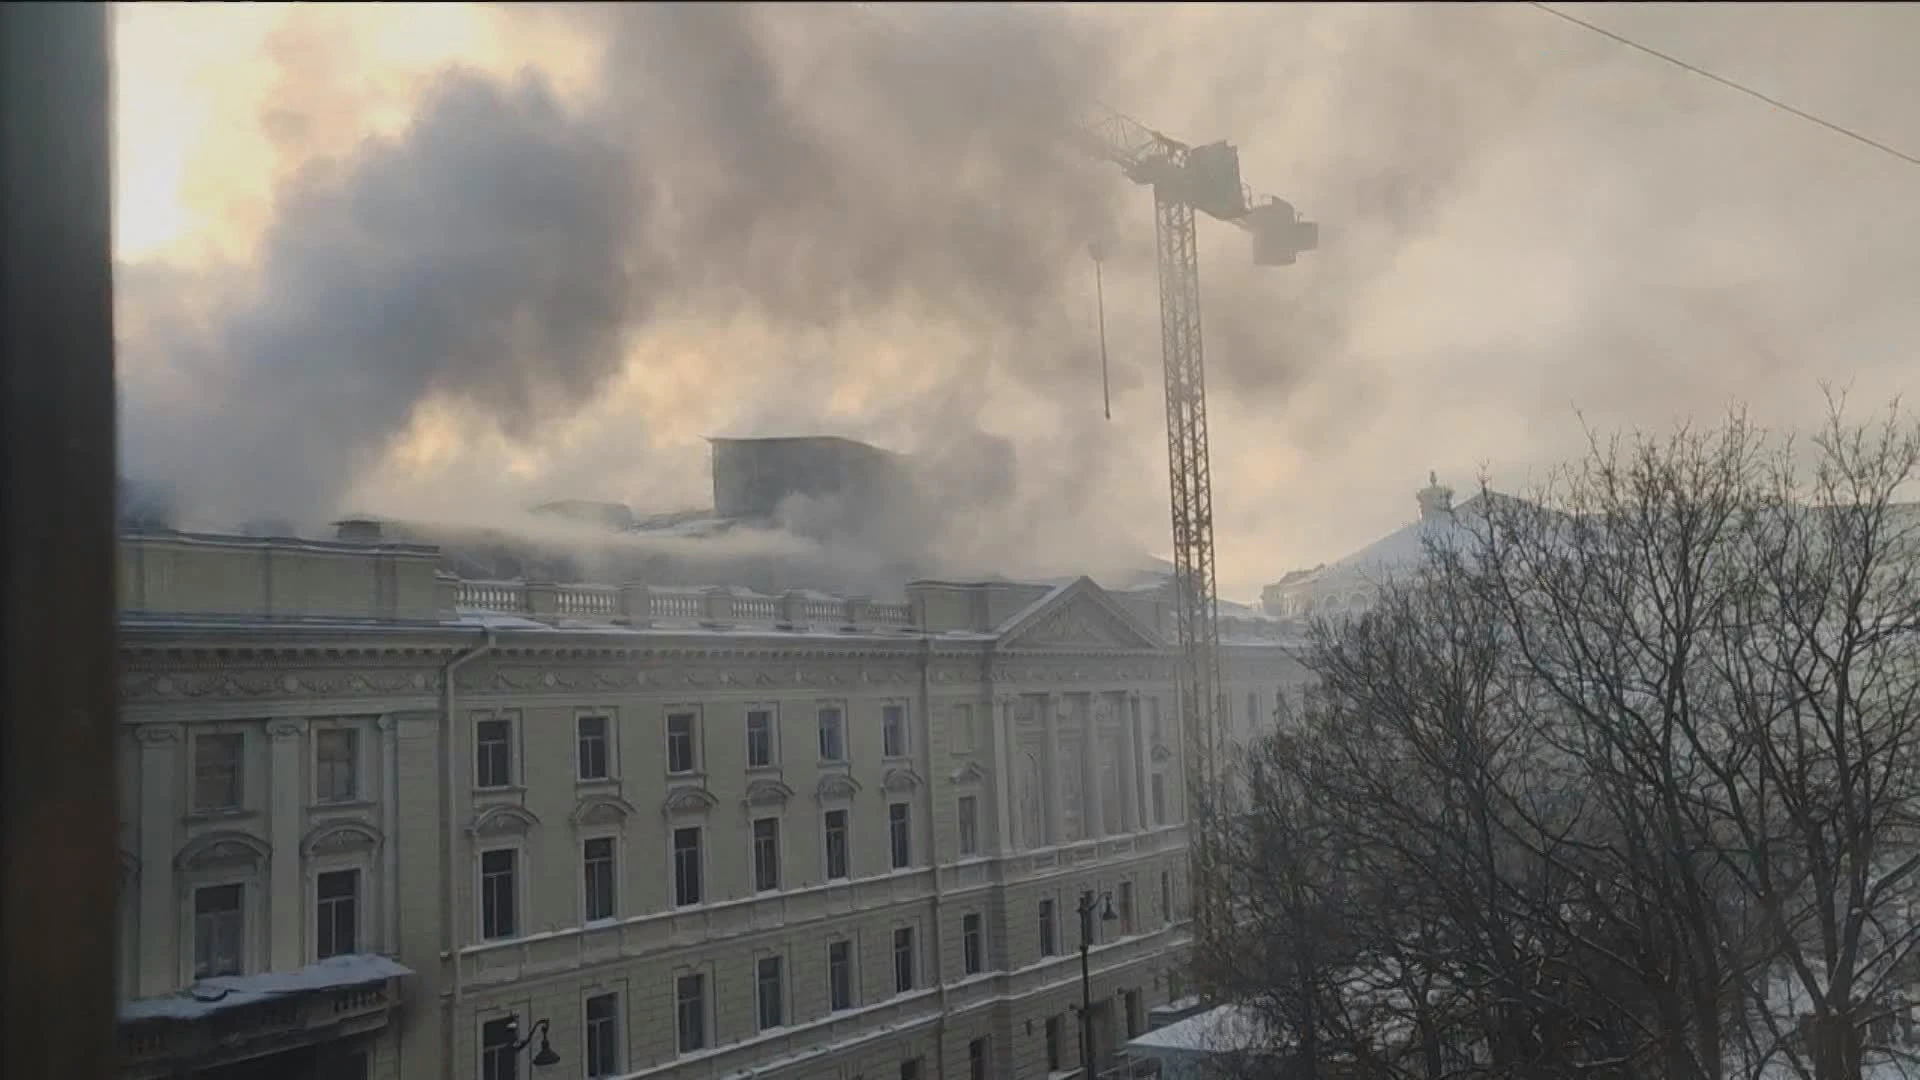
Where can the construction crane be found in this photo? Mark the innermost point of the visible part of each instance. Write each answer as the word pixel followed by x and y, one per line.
pixel 1185 180
pixel 1188 179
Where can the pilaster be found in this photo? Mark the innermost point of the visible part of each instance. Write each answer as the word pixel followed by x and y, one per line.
pixel 161 776
pixel 286 905
pixel 1050 740
pixel 1004 752
pixel 1092 812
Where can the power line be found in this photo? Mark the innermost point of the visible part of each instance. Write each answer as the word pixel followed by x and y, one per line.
pixel 1731 85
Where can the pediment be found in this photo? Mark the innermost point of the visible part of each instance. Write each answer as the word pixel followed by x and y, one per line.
pixel 836 787
pixel 340 838
pixel 222 849
pixel 1079 616
pixel 504 820
pixel 688 800
pixel 767 791
pixel 969 773
pixel 1161 753
pixel 602 810
pixel 900 779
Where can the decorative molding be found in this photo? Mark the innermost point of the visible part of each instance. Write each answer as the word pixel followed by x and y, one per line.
pixel 155 734
pixel 968 773
pixel 383 722
pixel 282 730
pixel 767 791
pixel 340 838
pixel 836 787
pixel 601 810
pixel 899 779
pixel 1161 753
pixel 504 819
pixel 685 801
pixel 223 848
pixel 192 676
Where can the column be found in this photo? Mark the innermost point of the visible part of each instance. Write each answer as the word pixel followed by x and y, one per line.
pixel 286 902
pixel 1006 761
pixel 158 913
pixel 1091 813
pixel 1050 734
pixel 1142 762
pixel 1129 765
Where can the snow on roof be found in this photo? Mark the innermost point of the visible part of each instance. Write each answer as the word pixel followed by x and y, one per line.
pixel 1220 1030
pixel 210 996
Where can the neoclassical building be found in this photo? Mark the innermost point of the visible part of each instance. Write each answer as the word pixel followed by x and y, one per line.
pixel 382 822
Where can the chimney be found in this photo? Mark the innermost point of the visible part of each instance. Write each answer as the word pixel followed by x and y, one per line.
pixel 357 531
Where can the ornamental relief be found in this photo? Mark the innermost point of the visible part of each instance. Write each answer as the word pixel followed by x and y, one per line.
pixel 256 683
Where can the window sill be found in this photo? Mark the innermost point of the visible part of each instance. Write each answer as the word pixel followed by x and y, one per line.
pixel 341 805
pixel 691 776
pixel 230 813
pixel 772 769
pixel 598 783
pixel 502 790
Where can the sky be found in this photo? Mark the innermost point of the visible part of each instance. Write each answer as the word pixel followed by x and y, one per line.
pixel 454 259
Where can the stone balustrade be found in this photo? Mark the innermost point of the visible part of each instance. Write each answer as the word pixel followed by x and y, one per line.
pixel 667 606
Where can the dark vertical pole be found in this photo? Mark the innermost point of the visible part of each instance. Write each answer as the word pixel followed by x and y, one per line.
pixel 1086 989
pixel 1100 302
pixel 57 778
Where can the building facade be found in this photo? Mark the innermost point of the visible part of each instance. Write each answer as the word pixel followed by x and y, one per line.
pixel 379 822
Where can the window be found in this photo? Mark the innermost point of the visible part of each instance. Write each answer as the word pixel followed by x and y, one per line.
pixel 498 1058
pixel 903 960
pixel 333 765
pixel 766 854
pixel 599 881
pixel 497 894
pixel 964 740
pixel 969 825
pixel 686 866
pixel 1123 899
pixel 493 749
pixel 840 975
pixel 690 1012
pixel 1135 1022
pixel 1153 721
pixel 1053 1044
pixel 602 1024
pixel 973 951
pixel 1166 897
pixel 216 772
pixel 910 1069
pixel 1253 711
pixel 833 735
pixel 767 992
pixel 1049 929
pixel 900 834
pixel 218 923
pixel 596 752
pixel 680 743
pixel 977 1059
pixel 336 913
pixel 836 845
pixel 893 731
pixel 760 738
pixel 1159 798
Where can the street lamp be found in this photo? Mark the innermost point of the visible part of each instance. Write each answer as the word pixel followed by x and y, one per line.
pixel 1088 902
pixel 542 1057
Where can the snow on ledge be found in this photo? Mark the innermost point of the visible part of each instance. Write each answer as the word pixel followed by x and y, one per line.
pixel 210 996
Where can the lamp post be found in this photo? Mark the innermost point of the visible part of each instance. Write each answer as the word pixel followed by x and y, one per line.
pixel 542 1057
pixel 1088 902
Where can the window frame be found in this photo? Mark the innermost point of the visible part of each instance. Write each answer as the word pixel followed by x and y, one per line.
pixel 753 854
pixel 521 874
pixel 357 759
pixel 699 864
pixel 852 972
pixel 900 835
pixel 240 785
pixel 609 746
pixel 846 843
pixel 967 838
pixel 979 1058
pixel 890 711
pixel 962 737
pixel 1047 919
pixel 839 711
pixel 246 960
pixel 772 713
pixel 1158 798
pixel 704 1009
pixel 911 981
pixel 616 858
pixel 360 890
pixel 511 1019
pixel 1123 902
pixel 619 1023
pixel 973 943
pixel 694 750
pixel 779 1001
pixel 513 764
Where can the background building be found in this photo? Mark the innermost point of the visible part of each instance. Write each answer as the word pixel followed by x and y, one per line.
pixel 386 822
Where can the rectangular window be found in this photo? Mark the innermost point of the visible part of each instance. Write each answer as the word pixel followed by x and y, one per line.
pixel 766 854
pixel 1123 900
pixel 1053 1044
pixel 1159 798
pixel 973 947
pixel 833 735
pixel 836 845
pixel 336 913
pixel 767 989
pixel 686 866
pixel 760 738
pixel 964 739
pixel 598 878
pixel 499 1060
pixel 497 895
pixel 493 753
pixel 596 751
pixel 681 757
pixel 1049 929
pixel 893 731
pixel 903 960
pixel 1166 897
pixel 840 975
pixel 900 834
pixel 969 825
pixel 216 771
pixel 690 1012
pixel 334 753
pixel 218 926
pixel 1136 1023
pixel 910 1069
pixel 602 1024
pixel 977 1059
